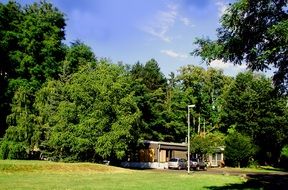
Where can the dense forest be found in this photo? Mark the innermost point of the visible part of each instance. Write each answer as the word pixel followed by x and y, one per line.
pixel 61 102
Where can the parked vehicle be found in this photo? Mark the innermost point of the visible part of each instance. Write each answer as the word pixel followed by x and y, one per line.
pixel 196 164
pixel 177 163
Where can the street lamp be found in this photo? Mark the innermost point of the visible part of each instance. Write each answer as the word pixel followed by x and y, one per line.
pixel 189 106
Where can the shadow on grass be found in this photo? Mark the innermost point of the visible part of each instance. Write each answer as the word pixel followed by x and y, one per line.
pixel 274 169
pixel 259 181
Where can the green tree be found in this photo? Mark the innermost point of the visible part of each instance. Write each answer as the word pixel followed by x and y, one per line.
pixel 18 141
pixel 33 54
pixel 77 56
pixel 175 113
pixel 10 18
pixel 150 87
pixel 239 149
pixel 254 33
pixel 206 144
pixel 41 51
pixel 89 117
pixel 250 105
pixel 204 88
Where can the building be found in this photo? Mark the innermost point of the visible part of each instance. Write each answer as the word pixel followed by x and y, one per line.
pixel 156 154
pixel 155 151
pixel 217 158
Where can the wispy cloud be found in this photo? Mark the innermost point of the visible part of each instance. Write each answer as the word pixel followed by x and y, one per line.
pixel 174 54
pixel 221 6
pixel 186 21
pixel 164 21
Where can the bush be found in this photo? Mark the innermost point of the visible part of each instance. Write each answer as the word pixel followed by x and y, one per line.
pixel 13 150
pixel 239 149
pixel 284 157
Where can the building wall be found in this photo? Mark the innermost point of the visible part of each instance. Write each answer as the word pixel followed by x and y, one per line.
pixel 216 159
pixel 163 156
pixel 180 154
pixel 151 152
pixel 146 155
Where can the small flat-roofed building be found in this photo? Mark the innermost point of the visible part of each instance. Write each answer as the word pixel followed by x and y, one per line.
pixel 156 154
pixel 157 151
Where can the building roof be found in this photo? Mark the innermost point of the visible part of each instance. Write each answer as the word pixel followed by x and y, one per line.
pixel 165 143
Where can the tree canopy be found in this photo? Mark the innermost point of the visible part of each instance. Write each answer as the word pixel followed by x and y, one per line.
pixel 254 33
pixel 59 101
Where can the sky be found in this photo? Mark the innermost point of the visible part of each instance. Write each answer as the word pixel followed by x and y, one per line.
pixel 137 30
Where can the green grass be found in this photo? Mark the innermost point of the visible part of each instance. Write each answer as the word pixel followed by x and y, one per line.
pixel 50 175
pixel 261 169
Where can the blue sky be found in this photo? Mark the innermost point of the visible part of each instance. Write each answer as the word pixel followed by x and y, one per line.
pixel 138 30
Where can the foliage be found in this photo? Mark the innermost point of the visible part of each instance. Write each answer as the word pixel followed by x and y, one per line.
pixel 88 117
pixel 238 149
pixel 251 105
pixel 77 55
pixel 284 157
pixel 206 144
pixel 31 40
pixel 175 114
pixel 254 33
pixel 63 102
pixel 284 151
pixel 12 150
pixel 149 86
pixel 10 18
pixel 204 88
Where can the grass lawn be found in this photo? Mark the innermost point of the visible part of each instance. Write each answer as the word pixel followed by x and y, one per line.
pixel 51 175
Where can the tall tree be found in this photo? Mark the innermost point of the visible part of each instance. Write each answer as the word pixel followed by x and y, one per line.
pixel 34 54
pixel 96 115
pixel 250 105
pixel 254 33
pixel 150 87
pixel 88 117
pixel 205 89
pixel 11 16
pixel 77 55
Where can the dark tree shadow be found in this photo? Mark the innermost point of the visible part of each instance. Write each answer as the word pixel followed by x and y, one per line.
pixel 259 181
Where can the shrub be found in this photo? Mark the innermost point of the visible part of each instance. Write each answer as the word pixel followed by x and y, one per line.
pixel 284 157
pixel 239 149
pixel 13 150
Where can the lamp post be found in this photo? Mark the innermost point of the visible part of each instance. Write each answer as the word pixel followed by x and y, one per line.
pixel 189 106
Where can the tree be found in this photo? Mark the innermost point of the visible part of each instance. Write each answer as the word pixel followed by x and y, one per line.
pixel 77 55
pixel 89 117
pixel 238 149
pixel 251 106
pixel 18 139
pixel 175 114
pixel 254 33
pixel 206 144
pixel 10 18
pixel 31 41
pixel 31 49
pixel 204 88
pixel 41 50
pixel 150 87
